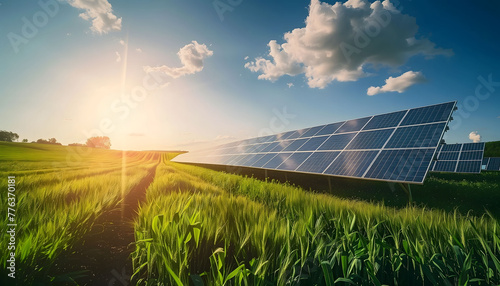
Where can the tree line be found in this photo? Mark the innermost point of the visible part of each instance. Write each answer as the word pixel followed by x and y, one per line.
pixel 102 142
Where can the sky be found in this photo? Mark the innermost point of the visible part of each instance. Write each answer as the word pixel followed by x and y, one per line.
pixel 170 74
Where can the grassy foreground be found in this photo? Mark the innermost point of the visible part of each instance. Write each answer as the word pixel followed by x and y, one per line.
pixel 57 200
pixel 204 227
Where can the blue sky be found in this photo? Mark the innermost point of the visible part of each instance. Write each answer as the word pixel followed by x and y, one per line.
pixel 82 70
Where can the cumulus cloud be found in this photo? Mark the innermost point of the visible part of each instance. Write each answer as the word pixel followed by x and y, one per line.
pixel 118 57
pixel 100 12
pixel 475 137
pixel 399 84
pixel 191 56
pixel 289 85
pixel 340 40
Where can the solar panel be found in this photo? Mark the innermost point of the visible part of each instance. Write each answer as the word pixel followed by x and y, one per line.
pixel 459 158
pixel 491 164
pixel 398 146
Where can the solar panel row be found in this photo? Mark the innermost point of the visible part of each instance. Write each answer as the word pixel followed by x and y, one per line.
pixel 459 158
pixel 491 164
pixel 397 146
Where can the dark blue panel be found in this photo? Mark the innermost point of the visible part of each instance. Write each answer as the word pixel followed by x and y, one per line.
pixel 471 155
pixel 434 113
pixel 494 164
pixel 282 145
pixel 473 147
pixel 469 167
pixel 370 139
pixel 250 141
pixel 224 160
pixel 270 147
pixel 313 143
pixel 485 160
pixel 266 139
pixel 448 156
pixel 236 159
pixel 276 161
pixel 433 164
pixel 298 133
pixel 445 166
pixel 417 136
pixel 351 163
pixel 440 147
pixel 312 131
pixel 329 129
pixel 401 165
pixel 253 160
pixel 353 125
pixel 285 135
pixel 244 161
pixel 451 147
pixel 385 120
pixel 337 142
pixel 260 147
pixel 318 162
pixel 245 149
pixel 292 162
pixel 262 161
pixel 296 144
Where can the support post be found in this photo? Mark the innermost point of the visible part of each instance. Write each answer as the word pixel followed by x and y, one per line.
pixel 329 184
pixel 407 189
pixel 265 173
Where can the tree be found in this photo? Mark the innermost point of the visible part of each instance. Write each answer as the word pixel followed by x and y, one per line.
pixel 77 145
pixel 99 142
pixel 8 136
pixel 52 141
pixel 25 140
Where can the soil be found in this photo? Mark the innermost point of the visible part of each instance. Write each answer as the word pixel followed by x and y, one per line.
pixel 102 257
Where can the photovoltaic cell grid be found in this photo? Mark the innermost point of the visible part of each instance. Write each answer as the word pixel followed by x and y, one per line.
pixel 491 164
pixel 459 158
pixel 397 146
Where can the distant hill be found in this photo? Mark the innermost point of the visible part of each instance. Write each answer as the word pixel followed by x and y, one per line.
pixel 492 149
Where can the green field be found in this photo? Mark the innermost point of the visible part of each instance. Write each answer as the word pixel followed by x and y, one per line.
pixel 198 226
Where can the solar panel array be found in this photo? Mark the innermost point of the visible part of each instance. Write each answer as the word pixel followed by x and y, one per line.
pixel 397 146
pixel 491 163
pixel 459 158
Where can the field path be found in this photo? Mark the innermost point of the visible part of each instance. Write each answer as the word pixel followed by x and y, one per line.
pixel 103 255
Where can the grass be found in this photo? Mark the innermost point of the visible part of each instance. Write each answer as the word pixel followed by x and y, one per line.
pixel 57 203
pixel 209 228
pixel 203 227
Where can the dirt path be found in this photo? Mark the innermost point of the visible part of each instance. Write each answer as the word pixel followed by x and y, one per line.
pixel 103 256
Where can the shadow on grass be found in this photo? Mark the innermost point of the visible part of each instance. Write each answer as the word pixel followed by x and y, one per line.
pixel 476 194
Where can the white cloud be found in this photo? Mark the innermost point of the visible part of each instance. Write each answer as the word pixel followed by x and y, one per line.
pixel 139 50
pixel 475 137
pixel 340 40
pixel 289 84
pixel 122 42
pixel 191 56
pixel 399 84
pixel 246 58
pixel 100 12
pixel 118 57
